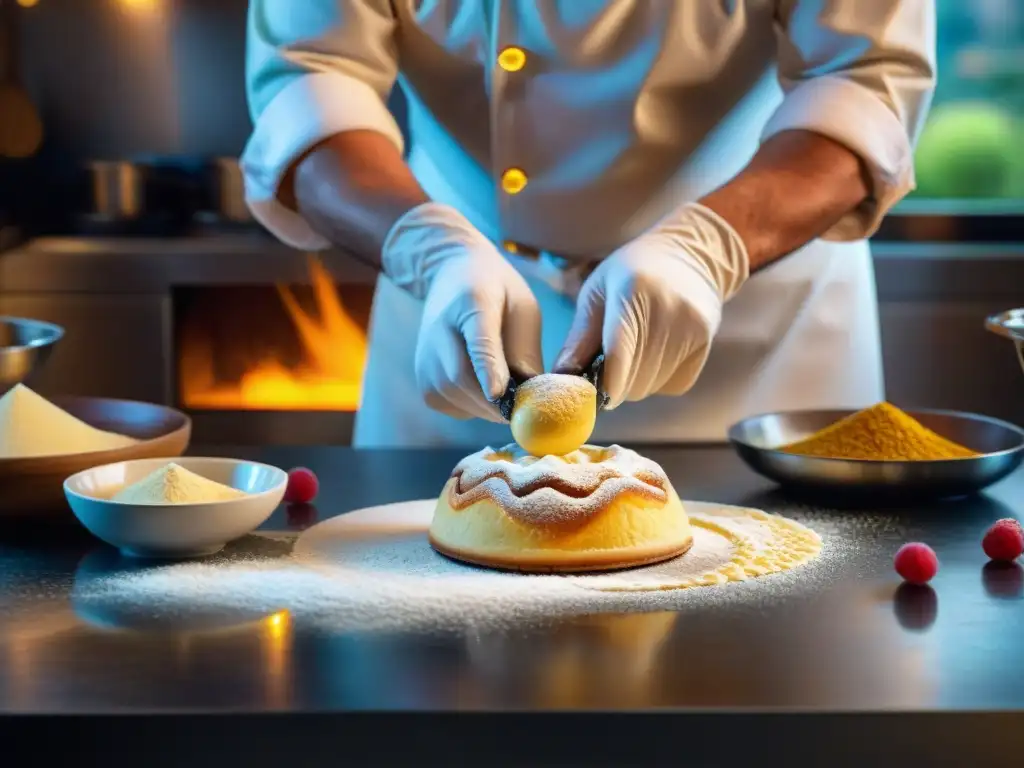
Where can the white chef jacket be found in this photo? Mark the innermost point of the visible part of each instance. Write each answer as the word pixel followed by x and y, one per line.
pixel 564 128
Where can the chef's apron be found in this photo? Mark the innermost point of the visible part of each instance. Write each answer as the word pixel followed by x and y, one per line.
pixel 802 333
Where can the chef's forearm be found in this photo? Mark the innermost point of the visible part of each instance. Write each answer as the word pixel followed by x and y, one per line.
pixel 797 186
pixel 352 188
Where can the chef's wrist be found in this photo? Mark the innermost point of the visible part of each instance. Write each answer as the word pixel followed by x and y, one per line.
pixel 423 240
pixel 710 244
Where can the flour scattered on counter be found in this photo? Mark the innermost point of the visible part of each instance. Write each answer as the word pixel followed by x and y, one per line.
pixel 373 570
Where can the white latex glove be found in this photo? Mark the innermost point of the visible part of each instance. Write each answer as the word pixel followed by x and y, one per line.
pixel 654 306
pixel 480 318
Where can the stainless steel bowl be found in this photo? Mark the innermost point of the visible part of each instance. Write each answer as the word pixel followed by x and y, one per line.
pixel 1011 326
pixel 1000 444
pixel 24 347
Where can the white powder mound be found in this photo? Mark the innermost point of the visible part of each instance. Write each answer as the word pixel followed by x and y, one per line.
pixel 373 570
pixel 173 484
pixel 31 426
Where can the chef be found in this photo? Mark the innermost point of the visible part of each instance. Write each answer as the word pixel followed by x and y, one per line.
pixel 683 185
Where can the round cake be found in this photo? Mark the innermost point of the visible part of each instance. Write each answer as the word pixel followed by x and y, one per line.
pixel 593 509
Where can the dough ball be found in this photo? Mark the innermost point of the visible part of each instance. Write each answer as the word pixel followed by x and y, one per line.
pixel 554 414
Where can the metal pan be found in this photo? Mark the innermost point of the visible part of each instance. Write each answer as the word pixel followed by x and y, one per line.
pixel 999 443
pixel 1010 325
pixel 25 346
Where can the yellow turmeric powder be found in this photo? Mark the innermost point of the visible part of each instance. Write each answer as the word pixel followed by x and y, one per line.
pixel 880 433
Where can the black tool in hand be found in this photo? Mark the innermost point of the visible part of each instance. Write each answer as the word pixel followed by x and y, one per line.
pixel 593 373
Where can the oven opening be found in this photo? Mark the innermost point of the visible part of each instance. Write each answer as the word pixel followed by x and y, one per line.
pixel 271 348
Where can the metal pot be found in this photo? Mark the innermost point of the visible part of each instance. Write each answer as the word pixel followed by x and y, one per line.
pixel 1010 325
pixel 229 191
pixel 117 190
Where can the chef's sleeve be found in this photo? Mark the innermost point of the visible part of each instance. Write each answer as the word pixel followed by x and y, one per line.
pixel 861 72
pixel 314 68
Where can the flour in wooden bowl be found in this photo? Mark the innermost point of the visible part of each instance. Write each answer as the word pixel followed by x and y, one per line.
pixel 32 427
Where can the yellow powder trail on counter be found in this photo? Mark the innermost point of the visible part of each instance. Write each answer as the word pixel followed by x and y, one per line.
pixel 173 484
pixel 880 433
pixel 32 426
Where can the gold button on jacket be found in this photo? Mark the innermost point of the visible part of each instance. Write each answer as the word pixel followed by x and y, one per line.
pixel 512 59
pixel 621 111
pixel 513 181
pixel 618 110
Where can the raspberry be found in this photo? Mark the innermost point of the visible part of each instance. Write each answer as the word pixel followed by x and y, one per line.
pixel 1004 541
pixel 302 486
pixel 916 563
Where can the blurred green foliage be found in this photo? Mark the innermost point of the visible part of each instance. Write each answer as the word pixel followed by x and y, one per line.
pixel 971 145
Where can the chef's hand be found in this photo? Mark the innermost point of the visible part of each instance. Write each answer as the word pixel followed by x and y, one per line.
pixel 480 319
pixel 653 306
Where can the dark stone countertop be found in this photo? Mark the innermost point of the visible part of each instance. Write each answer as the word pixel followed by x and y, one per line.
pixel 853 643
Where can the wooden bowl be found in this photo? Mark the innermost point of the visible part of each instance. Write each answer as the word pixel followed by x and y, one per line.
pixel 34 487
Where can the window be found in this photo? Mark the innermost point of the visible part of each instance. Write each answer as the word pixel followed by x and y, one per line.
pixel 970 157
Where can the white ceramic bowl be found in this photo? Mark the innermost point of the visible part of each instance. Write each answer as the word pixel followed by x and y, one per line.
pixel 174 530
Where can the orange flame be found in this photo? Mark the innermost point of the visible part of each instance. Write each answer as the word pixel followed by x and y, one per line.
pixel 329 379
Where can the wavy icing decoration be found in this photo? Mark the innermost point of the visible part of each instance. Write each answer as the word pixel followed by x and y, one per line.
pixel 556 490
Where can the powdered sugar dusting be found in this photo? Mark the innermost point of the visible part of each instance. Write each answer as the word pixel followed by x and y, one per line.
pixel 557 395
pixel 374 570
pixel 555 489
